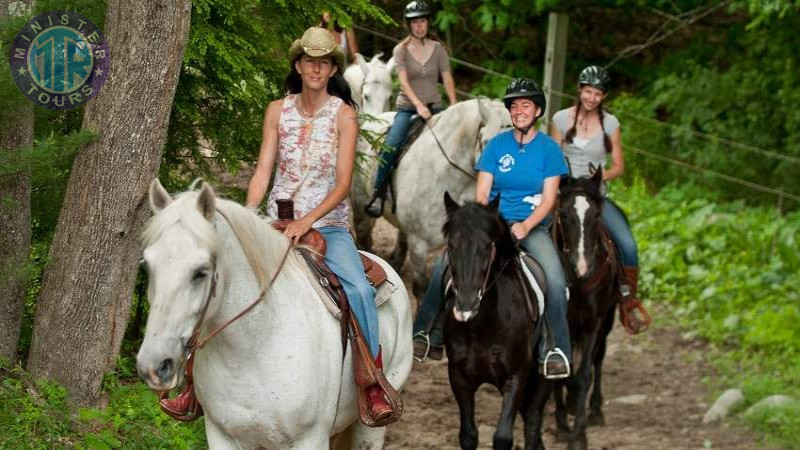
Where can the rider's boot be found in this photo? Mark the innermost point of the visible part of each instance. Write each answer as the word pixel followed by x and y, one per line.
pixel 632 314
pixel 185 407
pixel 375 206
pixel 378 405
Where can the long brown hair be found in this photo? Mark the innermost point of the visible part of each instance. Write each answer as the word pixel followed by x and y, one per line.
pixel 573 131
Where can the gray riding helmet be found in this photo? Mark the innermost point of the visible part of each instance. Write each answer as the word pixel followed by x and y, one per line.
pixel 595 76
pixel 525 88
pixel 417 9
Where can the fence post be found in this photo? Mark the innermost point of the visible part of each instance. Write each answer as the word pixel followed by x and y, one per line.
pixel 554 60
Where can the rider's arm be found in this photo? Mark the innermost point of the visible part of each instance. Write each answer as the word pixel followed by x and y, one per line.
pixel 549 194
pixel 484 187
pixel 449 86
pixel 266 156
pixel 617 160
pixel 352 44
pixel 347 127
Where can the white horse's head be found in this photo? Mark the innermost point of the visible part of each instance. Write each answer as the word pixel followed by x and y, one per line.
pixel 180 252
pixel 494 118
pixel 371 83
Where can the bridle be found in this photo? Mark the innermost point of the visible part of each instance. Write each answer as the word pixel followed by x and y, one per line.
pixel 590 283
pixel 477 144
pixel 486 285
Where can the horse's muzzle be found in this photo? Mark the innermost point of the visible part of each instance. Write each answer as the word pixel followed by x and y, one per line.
pixel 160 376
pixel 463 316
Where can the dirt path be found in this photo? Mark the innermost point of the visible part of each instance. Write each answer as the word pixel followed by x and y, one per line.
pixel 659 365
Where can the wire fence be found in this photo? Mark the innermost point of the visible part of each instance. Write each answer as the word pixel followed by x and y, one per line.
pixel 781 195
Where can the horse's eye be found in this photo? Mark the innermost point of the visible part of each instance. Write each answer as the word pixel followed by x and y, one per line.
pixel 199 274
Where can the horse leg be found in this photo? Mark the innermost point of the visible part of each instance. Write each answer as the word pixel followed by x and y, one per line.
pixel 398 256
pixel 535 414
pixel 583 380
pixel 363 225
pixel 217 438
pixel 513 393
pixel 464 392
pixel 419 251
pixel 596 417
pixel 366 437
pixel 562 424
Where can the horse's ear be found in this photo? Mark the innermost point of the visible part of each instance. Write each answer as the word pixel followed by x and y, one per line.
pixel 362 63
pixel 376 56
pixel 450 205
pixel 390 65
pixel 494 205
pixel 597 176
pixel 159 198
pixel 206 202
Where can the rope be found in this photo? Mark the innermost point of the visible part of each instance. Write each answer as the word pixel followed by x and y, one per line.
pixel 722 176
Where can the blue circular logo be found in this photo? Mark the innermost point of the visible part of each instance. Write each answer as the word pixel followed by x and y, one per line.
pixel 60 60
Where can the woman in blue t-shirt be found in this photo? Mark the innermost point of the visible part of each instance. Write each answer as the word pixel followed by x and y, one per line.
pixel 523 167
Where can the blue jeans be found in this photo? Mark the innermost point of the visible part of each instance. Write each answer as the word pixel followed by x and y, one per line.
pixel 344 260
pixel 431 305
pixel 614 220
pixel 395 141
pixel 539 245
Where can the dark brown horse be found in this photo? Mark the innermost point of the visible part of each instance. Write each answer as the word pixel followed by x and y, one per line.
pixel 491 326
pixel 590 261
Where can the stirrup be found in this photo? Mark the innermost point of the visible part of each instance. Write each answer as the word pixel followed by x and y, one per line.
pixel 555 352
pixel 427 338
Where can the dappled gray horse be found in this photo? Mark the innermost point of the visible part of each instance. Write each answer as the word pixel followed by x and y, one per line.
pixel 423 174
pixel 370 83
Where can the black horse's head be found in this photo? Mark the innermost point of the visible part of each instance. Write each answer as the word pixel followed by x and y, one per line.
pixel 580 203
pixel 477 237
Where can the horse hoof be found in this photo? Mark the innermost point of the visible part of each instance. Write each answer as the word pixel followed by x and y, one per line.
pixel 596 420
pixel 563 436
pixel 578 444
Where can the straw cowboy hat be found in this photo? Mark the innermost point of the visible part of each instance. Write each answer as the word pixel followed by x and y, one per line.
pixel 317 42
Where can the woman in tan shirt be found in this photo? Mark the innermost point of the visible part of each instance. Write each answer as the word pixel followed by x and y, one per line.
pixel 419 60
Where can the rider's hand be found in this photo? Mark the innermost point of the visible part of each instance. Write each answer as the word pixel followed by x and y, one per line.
pixel 423 111
pixel 295 230
pixel 520 230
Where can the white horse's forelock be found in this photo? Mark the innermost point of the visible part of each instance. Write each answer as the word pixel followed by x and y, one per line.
pixel 262 244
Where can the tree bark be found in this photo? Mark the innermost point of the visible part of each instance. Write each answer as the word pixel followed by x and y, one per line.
pixel 15 226
pixel 85 301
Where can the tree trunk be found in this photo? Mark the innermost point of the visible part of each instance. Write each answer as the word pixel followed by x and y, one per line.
pixel 15 225
pixel 86 291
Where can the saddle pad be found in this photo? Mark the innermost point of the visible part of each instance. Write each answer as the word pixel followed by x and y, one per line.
pixel 536 278
pixel 382 292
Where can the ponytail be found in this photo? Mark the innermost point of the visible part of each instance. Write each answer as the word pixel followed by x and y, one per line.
pixel 573 131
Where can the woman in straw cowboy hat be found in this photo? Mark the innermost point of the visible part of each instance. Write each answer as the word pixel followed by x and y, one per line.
pixel 309 138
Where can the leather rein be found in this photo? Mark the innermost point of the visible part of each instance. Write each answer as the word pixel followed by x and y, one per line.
pixel 195 342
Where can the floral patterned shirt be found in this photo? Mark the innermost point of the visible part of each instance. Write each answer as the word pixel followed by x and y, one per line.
pixel 306 162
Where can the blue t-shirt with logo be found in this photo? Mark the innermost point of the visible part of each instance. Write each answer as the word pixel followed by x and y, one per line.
pixel 519 174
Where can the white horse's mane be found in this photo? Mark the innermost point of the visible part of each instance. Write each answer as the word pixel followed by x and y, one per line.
pixel 262 245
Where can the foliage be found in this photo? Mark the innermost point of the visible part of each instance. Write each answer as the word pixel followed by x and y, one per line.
pixel 36 416
pixel 731 274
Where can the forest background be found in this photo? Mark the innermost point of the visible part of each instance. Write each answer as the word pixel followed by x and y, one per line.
pixel 707 94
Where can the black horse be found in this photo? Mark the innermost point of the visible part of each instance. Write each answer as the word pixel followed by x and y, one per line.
pixel 491 325
pixel 591 263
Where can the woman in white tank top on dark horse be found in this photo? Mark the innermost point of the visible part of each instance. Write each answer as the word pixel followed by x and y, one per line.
pixel 587 134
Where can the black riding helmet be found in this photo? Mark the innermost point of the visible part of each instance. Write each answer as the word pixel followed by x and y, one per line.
pixel 525 88
pixel 595 76
pixel 417 9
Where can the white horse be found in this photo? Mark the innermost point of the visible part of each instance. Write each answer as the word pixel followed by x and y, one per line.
pixel 424 174
pixel 275 378
pixel 370 83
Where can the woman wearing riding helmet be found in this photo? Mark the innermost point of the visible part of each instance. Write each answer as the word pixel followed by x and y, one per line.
pixel 523 167
pixel 309 138
pixel 419 61
pixel 587 134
